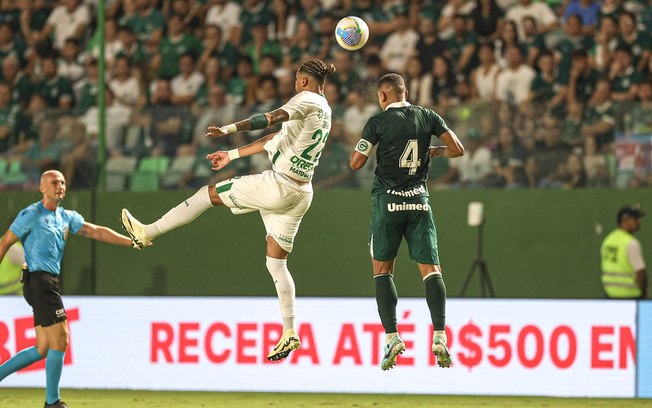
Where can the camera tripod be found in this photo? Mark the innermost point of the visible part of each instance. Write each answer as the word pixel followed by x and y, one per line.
pixel 486 287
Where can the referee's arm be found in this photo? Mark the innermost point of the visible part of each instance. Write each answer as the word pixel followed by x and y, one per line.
pixel 104 234
pixel 8 239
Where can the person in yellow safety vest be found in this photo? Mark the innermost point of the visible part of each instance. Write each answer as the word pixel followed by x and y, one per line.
pixel 623 267
pixel 10 269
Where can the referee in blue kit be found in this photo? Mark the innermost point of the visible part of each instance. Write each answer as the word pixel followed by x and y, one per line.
pixel 43 228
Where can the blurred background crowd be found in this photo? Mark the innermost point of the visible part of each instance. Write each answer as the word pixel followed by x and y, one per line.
pixel 543 94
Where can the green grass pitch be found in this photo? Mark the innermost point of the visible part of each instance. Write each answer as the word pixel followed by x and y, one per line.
pixel 30 397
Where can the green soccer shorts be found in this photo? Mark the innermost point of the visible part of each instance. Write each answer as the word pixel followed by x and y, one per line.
pixel 394 217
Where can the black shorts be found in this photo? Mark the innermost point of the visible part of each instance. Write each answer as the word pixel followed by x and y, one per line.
pixel 44 296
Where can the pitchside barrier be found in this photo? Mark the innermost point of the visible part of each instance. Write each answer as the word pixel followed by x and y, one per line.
pixel 499 347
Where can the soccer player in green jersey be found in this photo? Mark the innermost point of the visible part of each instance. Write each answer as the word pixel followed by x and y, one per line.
pixel 401 134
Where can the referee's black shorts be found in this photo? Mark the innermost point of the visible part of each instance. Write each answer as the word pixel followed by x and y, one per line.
pixel 42 293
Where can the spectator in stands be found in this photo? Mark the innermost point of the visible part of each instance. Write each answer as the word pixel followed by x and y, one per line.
pixel 147 22
pixel 461 47
pixel 400 44
pixel 33 18
pixel 487 17
pixel 126 87
pixel 253 12
pixel 599 116
pixel 212 73
pixel 438 86
pixel 451 9
pixel 533 43
pixel 548 154
pixel 413 77
pixel 213 47
pixel 595 165
pixel 266 101
pixel 131 48
pixel 358 111
pixel 8 119
pixel 507 37
pixel 574 39
pixel 606 41
pixel 345 77
pixel 611 8
pixel 546 89
pixel 284 25
pixel 310 11
pixel 226 15
pixel 333 96
pixel 166 121
pixel 261 45
pixel 30 120
pixel 574 175
pixel 217 111
pixel 429 44
pixel 186 84
pixel 469 170
pixel 508 162
pixel 46 153
pixel 86 90
pixel 10 45
pixel 68 20
pixel 546 18
pixel 303 46
pixel 237 86
pixel 582 79
pixel 513 83
pixel 56 89
pixel 69 64
pixel 483 78
pixel 639 41
pixel 641 112
pixel 188 11
pixel 286 88
pixel 175 44
pixel 587 11
pixel 78 164
pixel 117 118
pixel 624 76
pixel 112 43
pixel 21 84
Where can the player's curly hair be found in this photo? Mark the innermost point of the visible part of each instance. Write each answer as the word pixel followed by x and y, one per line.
pixel 317 69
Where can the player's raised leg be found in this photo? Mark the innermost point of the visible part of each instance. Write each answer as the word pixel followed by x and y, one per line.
pixel 142 234
pixel 277 266
pixel 386 300
pixel 436 299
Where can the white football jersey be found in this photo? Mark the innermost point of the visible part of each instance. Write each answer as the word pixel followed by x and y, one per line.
pixel 296 149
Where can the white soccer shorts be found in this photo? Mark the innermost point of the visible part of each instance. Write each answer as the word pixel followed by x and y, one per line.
pixel 280 201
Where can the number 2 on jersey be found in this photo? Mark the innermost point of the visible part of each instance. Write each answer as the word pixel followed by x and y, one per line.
pixel 410 157
pixel 317 135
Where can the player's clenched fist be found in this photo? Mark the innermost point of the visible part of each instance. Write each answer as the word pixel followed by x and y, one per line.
pixel 216 131
pixel 218 159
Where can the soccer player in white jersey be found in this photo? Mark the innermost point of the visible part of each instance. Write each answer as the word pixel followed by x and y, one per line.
pixel 281 195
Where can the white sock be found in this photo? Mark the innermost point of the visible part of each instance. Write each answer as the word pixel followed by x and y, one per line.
pixel 180 215
pixel 389 337
pixel 284 283
pixel 440 333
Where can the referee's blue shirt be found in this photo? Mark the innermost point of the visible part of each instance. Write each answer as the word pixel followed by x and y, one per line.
pixel 44 233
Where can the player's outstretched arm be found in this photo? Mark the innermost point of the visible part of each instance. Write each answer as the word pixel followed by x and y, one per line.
pixel 104 234
pixel 220 158
pixel 358 160
pixel 8 239
pixel 256 122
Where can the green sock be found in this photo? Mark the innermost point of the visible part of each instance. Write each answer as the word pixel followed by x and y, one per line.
pixel 436 298
pixel 386 299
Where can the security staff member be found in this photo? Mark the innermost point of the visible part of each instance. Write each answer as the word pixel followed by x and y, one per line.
pixel 623 267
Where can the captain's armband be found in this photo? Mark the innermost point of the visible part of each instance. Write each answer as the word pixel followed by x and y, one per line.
pixel 364 147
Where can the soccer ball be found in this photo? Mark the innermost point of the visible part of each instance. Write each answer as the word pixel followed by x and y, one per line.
pixel 352 33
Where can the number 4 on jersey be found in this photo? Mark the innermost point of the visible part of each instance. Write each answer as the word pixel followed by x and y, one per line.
pixel 410 157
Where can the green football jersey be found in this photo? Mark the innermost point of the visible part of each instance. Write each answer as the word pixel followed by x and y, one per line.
pixel 402 136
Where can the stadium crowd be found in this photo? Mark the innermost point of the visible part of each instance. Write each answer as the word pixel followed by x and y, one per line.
pixel 544 94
